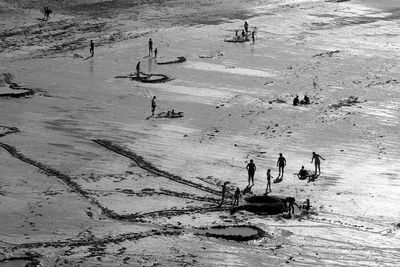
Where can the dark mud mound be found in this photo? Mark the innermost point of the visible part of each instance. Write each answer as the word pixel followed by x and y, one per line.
pixel 147 78
pixel 167 115
pixel 178 60
pixel 262 205
pixel 232 232
pixel 234 40
pixel 19 90
pixel 4 130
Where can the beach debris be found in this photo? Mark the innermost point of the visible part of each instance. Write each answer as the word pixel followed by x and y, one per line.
pixel 346 102
pixel 328 53
pixel 212 55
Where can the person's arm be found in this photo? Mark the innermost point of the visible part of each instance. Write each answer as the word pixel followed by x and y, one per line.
pixel 321 157
pixel 312 159
pixel 255 168
pixel 284 160
pixel 277 163
pixel 247 167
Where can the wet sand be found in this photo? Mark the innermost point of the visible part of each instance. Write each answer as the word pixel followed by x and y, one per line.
pixel 86 180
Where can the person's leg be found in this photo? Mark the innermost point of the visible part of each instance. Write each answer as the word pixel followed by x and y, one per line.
pixel 252 178
pixel 283 170
pixel 316 166
pixel 279 174
pixel 249 177
pixel 319 168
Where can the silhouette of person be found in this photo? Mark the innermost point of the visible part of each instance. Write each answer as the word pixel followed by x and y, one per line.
pixel 223 193
pixel 296 101
pixel 246 27
pixel 47 13
pixel 253 38
pixel 251 169
pixel 243 35
pixel 150 47
pixel 153 105
pixel 290 201
pixel 155 53
pixel 236 197
pixel 281 163
pixel 303 173
pixel 91 48
pixel 306 100
pixel 317 162
pixel 138 69
pixel 268 182
pixel 236 34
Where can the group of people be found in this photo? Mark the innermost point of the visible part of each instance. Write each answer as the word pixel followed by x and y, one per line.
pixel 281 163
pixel 245 33
pixel 305 101
pixel 150 54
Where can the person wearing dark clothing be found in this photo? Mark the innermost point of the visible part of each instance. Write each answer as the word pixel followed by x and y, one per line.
pixel 281 163
pixel 223 193
pixel 91 48
pixel 243 35
pixel 236 197
pixel 150 47
pixel 251 169
pixel 306 100
pixel 317 162
pixel 47 13
pixel 153 105
pixel 236 34
pixel 138 69
pixel 268 182
pixel 253 37
pixel 296 101
pixel 303 173
pixel 289 203
pixel 155 53
pixel 246 27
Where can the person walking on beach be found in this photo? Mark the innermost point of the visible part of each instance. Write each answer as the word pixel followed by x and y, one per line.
pixel 251 169
pixel 236 198
pixel 223 193
pixel 153 105
pixel 47 13
pixel 91 48
pixel 243 35
pixel 268 182
pixel 253 36
pixel 150 47
pixel 315 158
pixel 155 53
pixel 138 69
pixel 246 27
pixel 281 163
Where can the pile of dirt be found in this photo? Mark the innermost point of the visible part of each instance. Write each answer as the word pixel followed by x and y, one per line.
pixel 178 60
pixel 346 102
pixel 233 232
pixel 268 205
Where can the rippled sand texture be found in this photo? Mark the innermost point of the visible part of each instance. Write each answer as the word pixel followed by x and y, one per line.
pixel 87 180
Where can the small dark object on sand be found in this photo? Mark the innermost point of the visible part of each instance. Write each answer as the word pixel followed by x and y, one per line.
pixel 179 60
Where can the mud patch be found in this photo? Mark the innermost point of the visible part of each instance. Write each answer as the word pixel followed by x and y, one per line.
pixel 4 130
pixel 232 232
pixel 16 91
pixel 266 205
pixel 147 77
pixel 178 60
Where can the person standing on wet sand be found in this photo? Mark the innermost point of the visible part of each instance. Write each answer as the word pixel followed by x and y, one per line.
pixel 236 198
pixel 315 158
pixel 138 69
pixel 153 105
pixel 253 36
pixel 91 48
pixel 246 27
pixel 268 182
pixel 281 164
pixel 155 53
pixel 150 47
pixel 223 193
pixel 251 169
pixel 47 13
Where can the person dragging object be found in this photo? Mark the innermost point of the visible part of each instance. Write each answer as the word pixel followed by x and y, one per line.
pixel 153 105
pixel 223 193
pixel 251 169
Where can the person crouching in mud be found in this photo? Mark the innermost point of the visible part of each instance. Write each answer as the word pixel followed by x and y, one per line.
pixel 289 202
pixel 303 173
